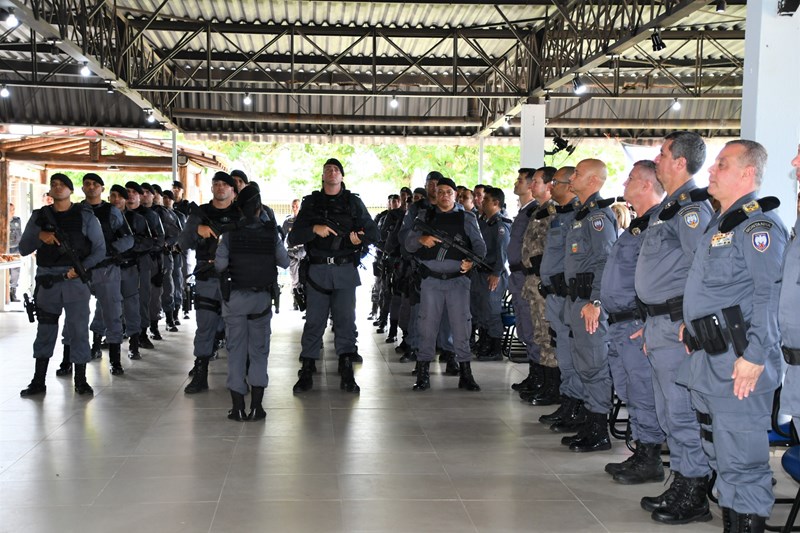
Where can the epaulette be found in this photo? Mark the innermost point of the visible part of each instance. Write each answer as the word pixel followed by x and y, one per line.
pixel 685 198
pixel 545 212
pixel 639 224
pixel 591 206
pixel 531 210
pixel 736 217
pixel 506 220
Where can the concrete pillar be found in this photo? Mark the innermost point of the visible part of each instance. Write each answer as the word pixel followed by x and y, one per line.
pixel 531 145
pixel 770 107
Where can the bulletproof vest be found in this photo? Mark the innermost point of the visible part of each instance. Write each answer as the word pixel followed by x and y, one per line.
pixel 103 213
pixel 207 249
pixel 451 223
pixel 338 209
pixel 252 257
pixel 141 235
pixel 70 222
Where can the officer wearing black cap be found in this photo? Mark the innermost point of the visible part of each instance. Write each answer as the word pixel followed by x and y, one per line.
pixel 172 229
pixel 58 281
pixel 199 236
pixel 332 275
pixel 150 200
pixel 181 206
pixel 243 181
pixel 177 266
pixel 181 203
pixel 247 259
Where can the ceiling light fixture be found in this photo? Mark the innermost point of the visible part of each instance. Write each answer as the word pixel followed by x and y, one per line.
pixel 577 85
pixel 658 43
pixel 9 18
pixel 109 87
pixel 4 92
pixel 393 103
pixel 506 123
pixel 247 100
pixel 676 105
pixel 85 72
pixel 722 5
pixel 150 117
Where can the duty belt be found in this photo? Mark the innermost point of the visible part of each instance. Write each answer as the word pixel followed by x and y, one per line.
pixel 519 267
pixel 791 355
pixel 426 272
pixel 672 307
pixel 715 339
pixel 623 316
pixel 341 260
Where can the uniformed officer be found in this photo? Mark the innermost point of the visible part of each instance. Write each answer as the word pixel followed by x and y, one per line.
pixel 58 283
pixel 151 199
pixel 248 259
pixel 787 319
pixel 630 371
pixel 496 232
pixel 589 239
pixel 665 256
pixel 571 414
pixel 177 266
pixel 14 235
pixel 388 311
pixel 730 312
pixel 546 390
pixel 199 236
pixel 334 226
pixel 181 206
pixel 296 254
pixel 444 283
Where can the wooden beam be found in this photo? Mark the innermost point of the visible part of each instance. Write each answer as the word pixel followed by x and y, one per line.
pixel 122 168
pixel 86 161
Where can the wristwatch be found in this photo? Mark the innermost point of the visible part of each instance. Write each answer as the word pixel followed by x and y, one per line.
pixel 596 303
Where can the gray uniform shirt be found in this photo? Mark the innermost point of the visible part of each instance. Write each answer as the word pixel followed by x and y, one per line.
pixel 788 323
pixel 518 228
pixel 496 233
pixel 554 248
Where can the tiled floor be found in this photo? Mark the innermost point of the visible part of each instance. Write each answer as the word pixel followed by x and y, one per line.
pixel 143 456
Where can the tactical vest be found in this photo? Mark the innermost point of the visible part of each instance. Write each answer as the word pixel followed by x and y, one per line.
pixel 103 213
pixel 252 257
pixel 207 249
pixel 451 223
pixel 339 209
pixel 70 222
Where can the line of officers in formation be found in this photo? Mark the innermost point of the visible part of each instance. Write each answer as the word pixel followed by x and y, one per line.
pixel 686 313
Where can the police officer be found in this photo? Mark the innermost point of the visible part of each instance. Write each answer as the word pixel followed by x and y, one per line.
pixel 178 266
pixel 14 235
pixel 200 236
pixel 730 312
pixel 150 200
pixel 58 283
pixel 787 318
pixel 172 229
pixel 296 254
pixel 546 390
pixel 444 283
pixel 664 258
pixel 332 278
pixel 496 232
pixel 248 259
pixel 588 242
pixel 630 371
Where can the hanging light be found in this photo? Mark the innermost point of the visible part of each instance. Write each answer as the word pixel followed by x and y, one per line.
pixel 247 100
pixel 9 18
pixel 4 92
pixel 722 5
pixel 676 105
pixel 577 85
pixel 85 72
pixel 655 39
pixel 150 116
pixel 393 103
pixel 109 87
pixel 506 123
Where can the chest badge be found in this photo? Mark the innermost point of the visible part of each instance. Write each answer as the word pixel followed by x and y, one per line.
pixel 574 247
pixel 722 239
pixel 761 241
pixel 577 225
pixel 597 224
pixel 692 219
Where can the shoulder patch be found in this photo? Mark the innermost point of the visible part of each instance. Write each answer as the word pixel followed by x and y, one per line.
pixel 764 224
pixel 692 219
pixel 761 241
pixel 598 223
pixel 689 209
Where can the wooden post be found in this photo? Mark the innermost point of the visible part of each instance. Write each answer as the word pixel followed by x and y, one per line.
pixel 4 206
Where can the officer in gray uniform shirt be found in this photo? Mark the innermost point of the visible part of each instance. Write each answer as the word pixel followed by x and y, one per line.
pixel 665 256
pixel 173 304
pixel 58 285
pixel 589 239
pixel 730 311
pixel 247 259
pixel 571 414
pixel 630 371
pixel 445 285
pixel 332 275
pixel 787 319
pixel 172 229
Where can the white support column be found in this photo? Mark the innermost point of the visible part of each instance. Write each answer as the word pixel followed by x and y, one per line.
pixel 174 155
pixel 531 140
pixel 770 107
pixel 480 160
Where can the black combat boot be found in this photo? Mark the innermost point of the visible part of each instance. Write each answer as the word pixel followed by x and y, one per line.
pixel 653 503
pixel 156 335
pixel 534 380
pixel 392 337
pixel 199 381
pixel 465 379
pixel 114 358
pixel 97 341
pixel 451 366
pixel 348 380
pixel 403 346
pixel 256 410
pixel 37 385
pixel 645 468
pixel 306 381
pixel 573 420
pixel 133 347
pixel 482 344
pixel 313 367
pixel 494 351
pixel 409 356
pixel 12 295
pixel 615 468
pixel 750 523
pixel 171 326
pixel 237 412
pixel 548 394
pixel 597 438
pixel 65 368
pixel 81 387
pixel 690 505
pixel 176 316
pixel 423 373
pixel 144 340
pixel 560 414
pixel 730 521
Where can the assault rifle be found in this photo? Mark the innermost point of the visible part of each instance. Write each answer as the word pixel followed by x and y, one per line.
pixel 341 231
pixel 217 228
pixel 449 242
pixel 65 246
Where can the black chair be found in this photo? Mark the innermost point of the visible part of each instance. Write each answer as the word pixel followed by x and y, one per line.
pixel 791 464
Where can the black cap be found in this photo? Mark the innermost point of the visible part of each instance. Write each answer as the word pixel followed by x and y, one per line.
pixel 157 189
pixel 93 177
pixel 248 193
pixel 434 175
pixel 335 162
pixel 168 194
pixel 147 187
pixel 420 190
pixel 135 187
pixel 447 181
pixel 63 179
pixel 406 190
pixel 236 173
pixel 119 189
pixel 224 176
pixel 177 185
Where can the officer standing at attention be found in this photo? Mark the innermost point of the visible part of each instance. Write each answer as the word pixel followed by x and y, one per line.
pixel 172 229
pixel 58 284
pixel 208 298
pixel 296 253
pixel 332 278
pixel 787 319
pixel 445 285
pixel 177 265
pixel 666 254
pixel 630 371
pixel 150 200
pixel 496 232
pixel 248 258
pixel 730 312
